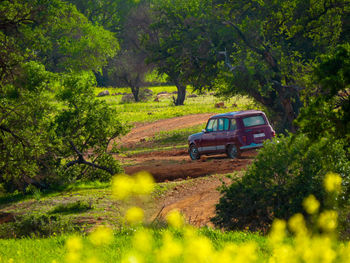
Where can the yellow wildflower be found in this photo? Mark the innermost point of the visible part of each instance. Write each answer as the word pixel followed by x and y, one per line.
pixel 311 204
pixel 278 231
pixel 328 220
pixel 132 258
pixel 122 186
pixel 134 215
pixel 143 241
pixel 102 235
pixel 144 183
pixel 74 244
pixel 297 224
pixel 332 182
pixel 170 249
pixel 93 260
pixel 175 219
pixel 199 249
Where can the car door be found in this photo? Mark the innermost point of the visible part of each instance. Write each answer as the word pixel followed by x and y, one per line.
pixel 256 129
pixel 207 144
pixel 221 136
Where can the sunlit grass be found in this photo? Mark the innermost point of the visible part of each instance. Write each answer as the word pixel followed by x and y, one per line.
pixel 151 111
pixel 53 248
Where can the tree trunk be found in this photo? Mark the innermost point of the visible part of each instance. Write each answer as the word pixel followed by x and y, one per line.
pixel 284 103
pixel 181 94
pixel 135 92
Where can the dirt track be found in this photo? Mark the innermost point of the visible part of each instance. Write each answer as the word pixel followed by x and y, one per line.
pixel 142 131
pixel 196 200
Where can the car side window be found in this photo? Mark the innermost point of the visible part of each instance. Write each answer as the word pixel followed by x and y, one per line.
pixel 226 124
pixel 233 125
pixel 215 125
pixel 212 125
pixel 223 124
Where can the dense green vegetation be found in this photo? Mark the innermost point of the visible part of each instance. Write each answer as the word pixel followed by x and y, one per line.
pixel 290 58
pixel 276 187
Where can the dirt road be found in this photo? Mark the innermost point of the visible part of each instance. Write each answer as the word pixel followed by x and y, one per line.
pixel 196 200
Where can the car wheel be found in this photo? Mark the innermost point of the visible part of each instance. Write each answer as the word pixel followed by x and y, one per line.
pixel 233 152
pixel 194 153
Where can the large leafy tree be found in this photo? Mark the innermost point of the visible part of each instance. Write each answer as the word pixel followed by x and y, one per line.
pixel 274 45
pixel 327 111
pixel 127 19
pixel 32 147
pixel 180 45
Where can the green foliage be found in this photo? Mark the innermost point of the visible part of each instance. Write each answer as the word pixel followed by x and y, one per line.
pixel 74 43
pixel 70 208
pixel 285 172
pixel 36 225
pixel 328 110
pixel 25 114
pixel 38 139
pixel 182 47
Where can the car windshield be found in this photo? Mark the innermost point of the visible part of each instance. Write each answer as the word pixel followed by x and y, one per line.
pixel 212 125
pixel 253 121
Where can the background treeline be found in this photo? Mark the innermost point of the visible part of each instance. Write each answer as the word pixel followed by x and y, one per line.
pixel 292 57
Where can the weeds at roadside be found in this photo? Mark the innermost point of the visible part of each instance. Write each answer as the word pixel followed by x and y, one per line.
pixel 70 208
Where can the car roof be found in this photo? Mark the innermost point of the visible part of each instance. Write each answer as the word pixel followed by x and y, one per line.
pixel 235 114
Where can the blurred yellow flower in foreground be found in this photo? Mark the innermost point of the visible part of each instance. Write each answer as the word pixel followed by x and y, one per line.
pixel 143 241
pixel 332 182
pixel 144 183
pixel 74 244
pixel 175 219
pixel 102 235
pixel 311 204
pixel 297 224
pixel 134 215
pixel 328 220
pixel 124 186
pixel 278 231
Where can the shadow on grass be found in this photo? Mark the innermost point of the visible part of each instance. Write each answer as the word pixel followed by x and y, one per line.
pixel 71 208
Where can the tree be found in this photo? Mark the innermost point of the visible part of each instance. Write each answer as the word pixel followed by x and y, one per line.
pixel 327 111
pixel 179 45
pixel 116 16
pixel 273 46
pixel 85 129
pixel 32 149
pixel 129 67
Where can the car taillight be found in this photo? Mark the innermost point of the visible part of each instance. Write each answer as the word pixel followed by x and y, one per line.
pixel 244 138
pixel 273 133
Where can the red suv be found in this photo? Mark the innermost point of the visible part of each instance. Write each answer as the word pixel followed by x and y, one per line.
pixel 231 133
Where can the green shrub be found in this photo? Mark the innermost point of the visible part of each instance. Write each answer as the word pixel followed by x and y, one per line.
pixel 284 173
pixel 76 207
pixel 36 225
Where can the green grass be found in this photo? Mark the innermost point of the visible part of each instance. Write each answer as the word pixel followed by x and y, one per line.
pixel 71 208
pixel 53 248
pixel 151 111
pixel 174 136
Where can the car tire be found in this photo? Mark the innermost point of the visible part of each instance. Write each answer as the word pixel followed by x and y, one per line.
pixel 194 153
pixel 233 152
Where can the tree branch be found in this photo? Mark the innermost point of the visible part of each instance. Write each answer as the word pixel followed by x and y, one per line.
pixel 81 160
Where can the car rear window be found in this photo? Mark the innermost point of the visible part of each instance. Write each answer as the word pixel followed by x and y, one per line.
pixel 253 121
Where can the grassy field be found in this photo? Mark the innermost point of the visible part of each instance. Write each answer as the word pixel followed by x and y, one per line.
pixel 164 109
pixel 53 248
